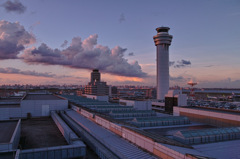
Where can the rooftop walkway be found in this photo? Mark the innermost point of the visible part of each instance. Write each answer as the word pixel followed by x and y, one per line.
pixel 118 145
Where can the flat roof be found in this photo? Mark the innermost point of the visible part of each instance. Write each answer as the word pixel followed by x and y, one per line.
pixel 10 102
pixel 227 111
pixel 40 132
pixel 41 97
pixel 220 150
pixel 115 143
pixel 10 99
pixel 7 129
pixel 159 138
pixel 168 131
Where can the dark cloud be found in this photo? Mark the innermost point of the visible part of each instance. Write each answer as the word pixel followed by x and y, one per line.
pixel 64 44
pixel 9 50
pixel 171 63
pixel 182 63
pixel 122 18
pixel 85 54
pixel 185 62
pixel 15 6
pixel 43 55
pixel 179 64
pixel 131 54
pixel 13 39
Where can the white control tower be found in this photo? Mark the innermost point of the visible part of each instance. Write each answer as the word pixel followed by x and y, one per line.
pixel 162 41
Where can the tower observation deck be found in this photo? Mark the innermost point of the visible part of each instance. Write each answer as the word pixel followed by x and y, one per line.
pixel 162 42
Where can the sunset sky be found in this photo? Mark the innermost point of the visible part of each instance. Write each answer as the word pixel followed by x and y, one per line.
pixel 61 41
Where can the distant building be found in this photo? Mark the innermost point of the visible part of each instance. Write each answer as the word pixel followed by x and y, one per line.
pixel 151 93
pixel 96 87
pixel 80 92
pixel 95 97
pixel 114 90
pixel 137 104
pixel 174 98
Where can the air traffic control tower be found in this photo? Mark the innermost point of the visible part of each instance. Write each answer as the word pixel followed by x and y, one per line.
pixel 162 41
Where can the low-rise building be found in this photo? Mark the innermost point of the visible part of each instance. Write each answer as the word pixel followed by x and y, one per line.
pixel 31 105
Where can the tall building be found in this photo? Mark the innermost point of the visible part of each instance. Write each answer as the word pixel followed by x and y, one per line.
pixel 162 41
pixel 96 87
pixel 95 76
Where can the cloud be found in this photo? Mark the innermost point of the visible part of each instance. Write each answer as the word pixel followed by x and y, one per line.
pixel 64 44
pixel 86 54
pixel 11 70
pixel 179 64
pixel 209 66
pixel 178 78
pixel 13 39
pixel 131 54
pixel 182 63
pixel 122 18
pixel 15 6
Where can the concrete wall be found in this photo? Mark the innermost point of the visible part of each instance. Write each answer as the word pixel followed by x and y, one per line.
pixel 138 139
pixel 208 116
pixel 66 131
pixel 86 114
pixel 16 135
pixel 182 99
pixel 7 113
pixel 103 122
pixel 58 152
pixel 34 107
pixel 117 129
pixel 13 144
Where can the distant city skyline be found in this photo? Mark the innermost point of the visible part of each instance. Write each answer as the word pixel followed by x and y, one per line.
pixel 60 42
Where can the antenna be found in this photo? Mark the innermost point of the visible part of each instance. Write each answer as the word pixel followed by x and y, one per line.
pixel 192 84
